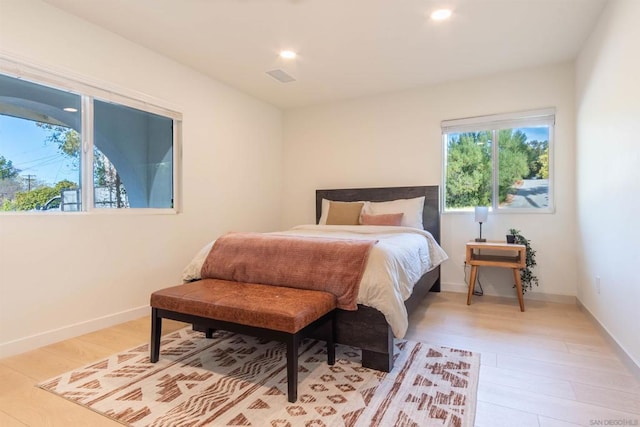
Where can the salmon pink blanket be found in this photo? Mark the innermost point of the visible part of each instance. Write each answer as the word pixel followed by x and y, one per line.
pixel 330 265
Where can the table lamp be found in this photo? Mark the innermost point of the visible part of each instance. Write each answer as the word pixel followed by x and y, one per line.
pixel 481 213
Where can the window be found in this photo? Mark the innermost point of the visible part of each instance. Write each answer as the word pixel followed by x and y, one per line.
pixel 502 161
pixel 52 134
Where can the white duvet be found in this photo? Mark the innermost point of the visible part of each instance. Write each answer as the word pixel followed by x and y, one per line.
pixel 401 256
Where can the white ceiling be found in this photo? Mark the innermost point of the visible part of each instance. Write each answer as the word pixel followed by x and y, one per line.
pixel 347 48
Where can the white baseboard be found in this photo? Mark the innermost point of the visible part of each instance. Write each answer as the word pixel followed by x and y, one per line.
pixel 562 299
pixel 627 359
pixel 31 342
pixel 454 287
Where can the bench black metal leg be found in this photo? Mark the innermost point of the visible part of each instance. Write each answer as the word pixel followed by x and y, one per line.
pixel 156 332
pixel 292 367
pixel 209 332
pixel 331 343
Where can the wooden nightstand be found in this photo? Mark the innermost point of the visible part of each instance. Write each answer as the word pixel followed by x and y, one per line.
pixel 505 255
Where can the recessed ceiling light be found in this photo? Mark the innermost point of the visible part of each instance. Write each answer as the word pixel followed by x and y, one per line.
pixel 70 109
pixel 287 54
pixel 441 14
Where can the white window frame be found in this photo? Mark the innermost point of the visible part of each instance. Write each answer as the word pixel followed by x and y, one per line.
pixel 495 122
pixel 89 89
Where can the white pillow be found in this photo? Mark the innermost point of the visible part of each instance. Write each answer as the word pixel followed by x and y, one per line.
pixel 324 212
pixel 411 208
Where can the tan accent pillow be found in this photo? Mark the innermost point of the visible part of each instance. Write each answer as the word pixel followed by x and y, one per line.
pixel 344 213
pixel 382 219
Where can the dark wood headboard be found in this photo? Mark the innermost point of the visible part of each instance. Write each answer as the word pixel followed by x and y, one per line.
pixel 430 214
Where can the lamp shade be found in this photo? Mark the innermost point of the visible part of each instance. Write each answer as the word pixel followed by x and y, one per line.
pixel 481 213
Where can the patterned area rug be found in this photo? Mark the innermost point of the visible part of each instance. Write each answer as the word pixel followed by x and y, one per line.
pixel 236 380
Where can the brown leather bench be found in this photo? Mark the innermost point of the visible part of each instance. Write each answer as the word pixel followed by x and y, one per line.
pixel 273 312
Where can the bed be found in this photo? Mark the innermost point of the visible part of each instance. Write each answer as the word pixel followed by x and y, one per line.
pixel 368 328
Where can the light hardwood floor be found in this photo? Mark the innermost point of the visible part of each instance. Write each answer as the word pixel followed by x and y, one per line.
pixel 546 367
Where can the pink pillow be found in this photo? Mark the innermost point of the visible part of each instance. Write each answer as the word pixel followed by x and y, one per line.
pixel 382 219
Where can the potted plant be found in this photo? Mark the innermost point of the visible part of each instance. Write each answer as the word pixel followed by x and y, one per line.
pixel 526 274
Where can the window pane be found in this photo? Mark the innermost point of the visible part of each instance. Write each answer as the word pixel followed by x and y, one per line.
pixel 523 168
pixel 468 179
pixel 133 158
pixel 108 190
pixel 39 146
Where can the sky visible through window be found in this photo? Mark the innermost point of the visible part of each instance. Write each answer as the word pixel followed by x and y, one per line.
pixel 532 133
pixel 535 134
pixel 22 142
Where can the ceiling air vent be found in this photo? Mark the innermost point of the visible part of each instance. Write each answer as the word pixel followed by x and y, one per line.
pixel 281 76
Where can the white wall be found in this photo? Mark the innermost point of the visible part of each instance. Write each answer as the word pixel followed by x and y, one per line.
pixel 608 173
pixel 61 275
pixel 395 139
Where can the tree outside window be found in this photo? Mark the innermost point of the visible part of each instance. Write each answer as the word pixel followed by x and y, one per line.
pixel 505 167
